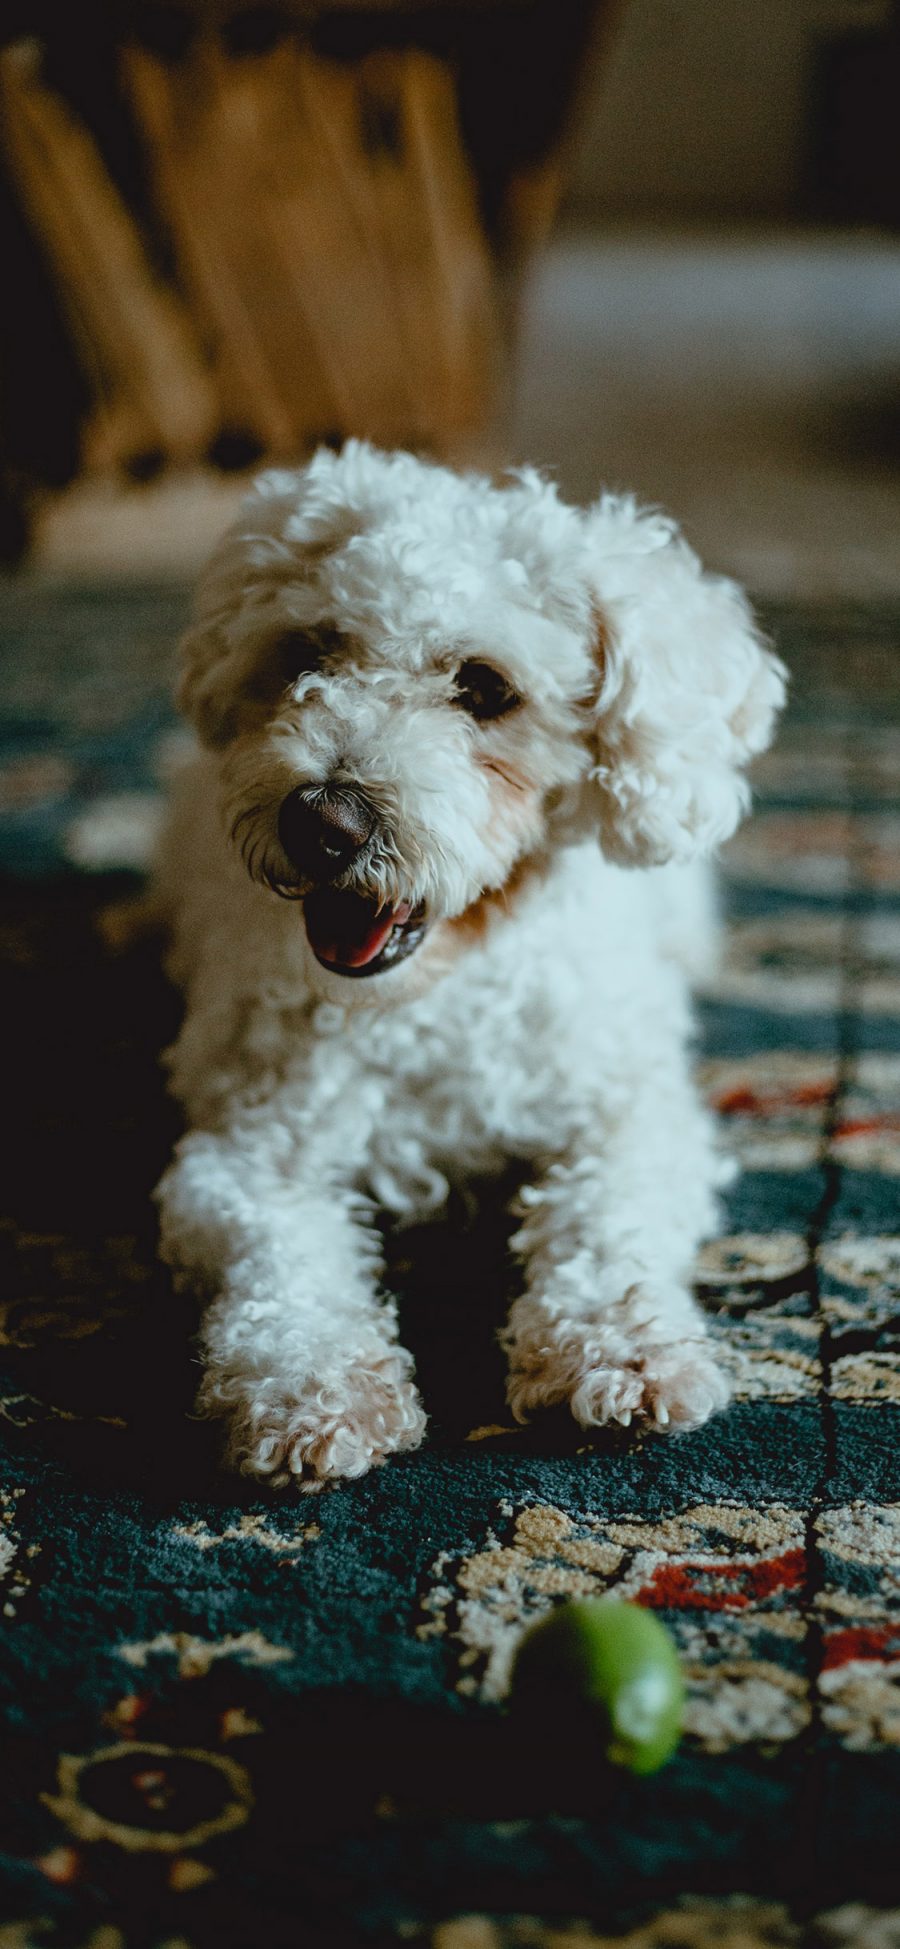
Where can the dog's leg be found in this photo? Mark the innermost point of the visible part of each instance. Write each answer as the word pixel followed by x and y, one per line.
pixel 300 1356
pixel 607 1321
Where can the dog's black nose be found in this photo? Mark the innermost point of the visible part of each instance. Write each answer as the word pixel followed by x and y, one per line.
pixel 322 828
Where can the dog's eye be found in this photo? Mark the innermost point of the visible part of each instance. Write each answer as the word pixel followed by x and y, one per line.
pixel 483 692
pixel 295 652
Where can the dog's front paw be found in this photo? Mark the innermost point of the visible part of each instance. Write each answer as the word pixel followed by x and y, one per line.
pixel 668 1388
pixel 608 1375
pixel 320 1429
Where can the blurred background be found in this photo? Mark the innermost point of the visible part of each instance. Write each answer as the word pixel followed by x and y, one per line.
pixel 647 243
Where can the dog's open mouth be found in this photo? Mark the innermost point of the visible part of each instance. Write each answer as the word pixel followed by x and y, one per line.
pixel 352 935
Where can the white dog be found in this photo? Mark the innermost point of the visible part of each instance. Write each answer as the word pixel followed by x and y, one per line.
pixel 432 908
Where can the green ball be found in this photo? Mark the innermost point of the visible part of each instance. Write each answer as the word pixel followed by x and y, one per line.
pixel 617 1661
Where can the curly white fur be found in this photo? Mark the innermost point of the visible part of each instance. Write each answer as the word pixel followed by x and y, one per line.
pixel 545 1015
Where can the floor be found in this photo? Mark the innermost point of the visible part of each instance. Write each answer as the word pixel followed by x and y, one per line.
pixel 749 381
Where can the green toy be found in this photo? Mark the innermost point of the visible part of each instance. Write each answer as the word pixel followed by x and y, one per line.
pixel 615 1660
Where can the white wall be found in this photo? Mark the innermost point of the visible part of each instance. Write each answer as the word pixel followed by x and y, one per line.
pixel 701 106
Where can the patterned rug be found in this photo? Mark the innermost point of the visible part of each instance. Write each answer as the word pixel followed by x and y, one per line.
pixel 237 1720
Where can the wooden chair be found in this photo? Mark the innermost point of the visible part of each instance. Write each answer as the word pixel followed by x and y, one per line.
pixel 245 232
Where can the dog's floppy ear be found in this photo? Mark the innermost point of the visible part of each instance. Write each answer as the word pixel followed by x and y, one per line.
pixel 686 691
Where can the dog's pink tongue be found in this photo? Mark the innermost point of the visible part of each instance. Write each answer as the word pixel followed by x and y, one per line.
pixel 347 931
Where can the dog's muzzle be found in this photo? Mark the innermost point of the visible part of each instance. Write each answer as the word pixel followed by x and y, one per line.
pixel 324 829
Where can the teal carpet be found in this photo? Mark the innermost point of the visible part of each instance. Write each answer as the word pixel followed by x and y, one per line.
pixel 247 1721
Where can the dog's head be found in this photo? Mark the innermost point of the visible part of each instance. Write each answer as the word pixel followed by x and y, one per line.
pixel 420 684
